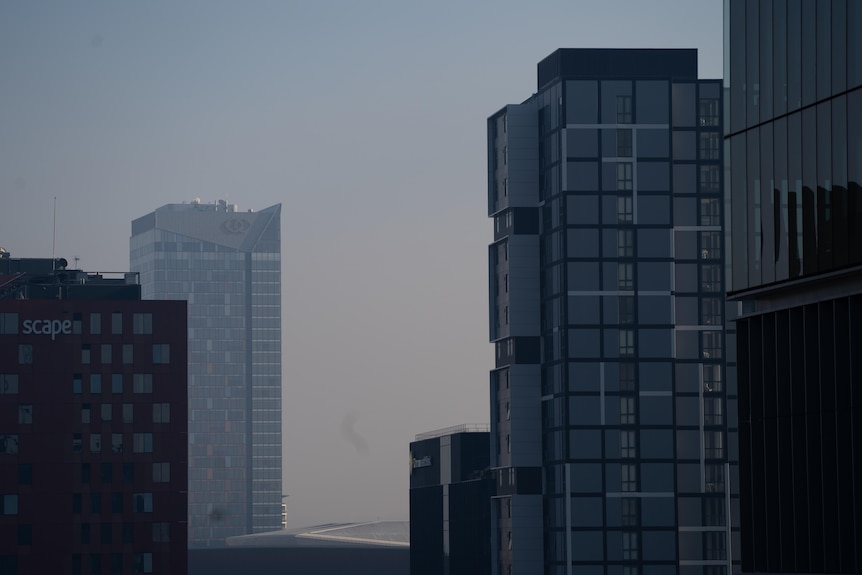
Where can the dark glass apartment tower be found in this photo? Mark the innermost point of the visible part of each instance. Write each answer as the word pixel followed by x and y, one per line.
pixel 794 142
pixel 227 264
pixel 609 438
pixel 450 491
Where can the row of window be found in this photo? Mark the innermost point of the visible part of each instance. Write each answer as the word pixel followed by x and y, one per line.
pixel 141 442
pixel 161 353
pixel 141 562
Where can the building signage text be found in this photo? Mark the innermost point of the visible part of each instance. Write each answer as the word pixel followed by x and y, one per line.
pixel 51 327
pixel 422 462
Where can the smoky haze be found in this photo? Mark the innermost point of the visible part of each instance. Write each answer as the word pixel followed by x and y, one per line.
pixel 366 120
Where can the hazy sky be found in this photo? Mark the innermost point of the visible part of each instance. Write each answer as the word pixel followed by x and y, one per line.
pixel 366 120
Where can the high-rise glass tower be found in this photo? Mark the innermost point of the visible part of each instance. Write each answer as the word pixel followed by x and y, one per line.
pixel 227 264
pixel 794 137
pixel 610 395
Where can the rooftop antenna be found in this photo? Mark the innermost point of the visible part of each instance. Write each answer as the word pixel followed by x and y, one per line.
pixel 54 240
pixel 77 259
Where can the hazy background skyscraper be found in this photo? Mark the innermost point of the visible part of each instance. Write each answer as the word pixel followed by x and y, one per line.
pixel 227 264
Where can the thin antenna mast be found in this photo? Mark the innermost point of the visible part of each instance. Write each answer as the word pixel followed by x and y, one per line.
pixel 54 240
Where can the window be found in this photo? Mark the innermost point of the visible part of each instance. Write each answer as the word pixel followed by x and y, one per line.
pixel 709 112
pixel 624 109
pixel 627 343
pixel 116 443
pixel 710 144
pixel 505 187
pixel 143 502
pixel 9 504
pixel 128 413
pixel 8 383
pixel 142 383
pixel 128 473
pixel 711 378
pixel 161 532
pixel 630 545
pixel 76 323
pixel 625 243
pixel 161 413
pixel 76 502
pixel 116 562
pixel 9 444
pixel 627 410
pixel 625 180
pixel 710 179
pixel 710 212
pixel 710 245
pixel 95 503
pixel 627 445
pixel 710 311
pixel 630 508
pixel 85 353
pixel 710 278
pixel 714 483
pixel 625 211
pixel 128 353
pixel 85 533
pixel 25 474
pixel 96 443
pixel 629 478
pixel 624 143
pixel 712 411
pixel 77 383
pixel 142 323
pixel 128 533
pixel 711 342
pixel 105 529
pixel 505 155
pixel 76 443
pixel 143 562
pixel 625 276
pixel 713 445
pixel 714 546
pixel 627 377
pixel 25 535
pixel 106 353
pixel 95 383
pixel 25 413
pixel 8 323
pixel 627 309
pixel 161 353
pixel 116 502
pixel 117 383
pixel 95 323
pixel 143 443
pixel 107 412
pixel 85 413
pixel 116 323
pixel 25 354
pixel 161 472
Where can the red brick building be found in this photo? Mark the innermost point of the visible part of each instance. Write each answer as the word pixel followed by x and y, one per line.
pixel 93 424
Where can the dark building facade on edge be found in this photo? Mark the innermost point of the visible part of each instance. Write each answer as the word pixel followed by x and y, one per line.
pixel 450 494
pixel 612 419
pixel 93 450
pixel 794 145
pixel 227 265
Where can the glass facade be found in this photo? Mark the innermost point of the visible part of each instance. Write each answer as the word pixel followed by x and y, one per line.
pixel 794 144
pixel 795 138
pixel 624 320
pixel 228 266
